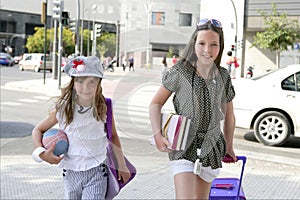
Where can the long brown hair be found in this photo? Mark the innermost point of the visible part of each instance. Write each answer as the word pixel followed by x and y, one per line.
pixel 66 102
pixel 189 56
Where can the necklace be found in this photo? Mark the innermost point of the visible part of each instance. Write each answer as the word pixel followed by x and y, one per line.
pixel 82 111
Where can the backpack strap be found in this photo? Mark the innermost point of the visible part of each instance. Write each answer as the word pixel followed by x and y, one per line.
pixel 108 124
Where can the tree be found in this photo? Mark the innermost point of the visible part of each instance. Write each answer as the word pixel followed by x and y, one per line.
pixel 172 51
pixel 107 44
pixel 35 43
pixel 86 40
pixel 68 44
pixel 280 33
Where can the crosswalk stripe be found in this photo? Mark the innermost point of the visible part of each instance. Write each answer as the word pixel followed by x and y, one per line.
pixel 9 103
pixel 42 97
pixel 28 100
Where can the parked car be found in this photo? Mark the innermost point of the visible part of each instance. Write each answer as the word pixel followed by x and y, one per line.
pixel 270 105
pixel 6 59
pixel 35 61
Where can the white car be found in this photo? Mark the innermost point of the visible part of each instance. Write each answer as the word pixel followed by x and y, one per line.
pixel 35 61
pixel 270 105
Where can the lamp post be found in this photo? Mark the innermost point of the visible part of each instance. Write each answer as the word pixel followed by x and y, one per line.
pixel 94 7
pixel 7 31
pixel 88 39
pixel 235 38
pixel 148 8
pixel 236 28
pixel 45 38
pixel 81 32
pixel 77 28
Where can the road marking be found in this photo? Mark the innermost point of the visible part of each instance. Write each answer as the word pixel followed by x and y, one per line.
pixel 28 100
pixel 9 103
pixel 36 99
pixel 42 97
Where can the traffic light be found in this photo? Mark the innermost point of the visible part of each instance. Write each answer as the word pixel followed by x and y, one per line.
pixel 98 29
pixel 65 18
pixel 57 8
pixel 72 25
pixel 232 47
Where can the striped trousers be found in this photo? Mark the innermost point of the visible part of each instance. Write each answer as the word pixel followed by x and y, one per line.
pixel 89 184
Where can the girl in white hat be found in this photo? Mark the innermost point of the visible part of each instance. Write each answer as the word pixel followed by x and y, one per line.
pixel 80 112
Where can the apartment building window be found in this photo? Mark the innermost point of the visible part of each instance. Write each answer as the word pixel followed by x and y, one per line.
pixel 185 19
pixel 158 18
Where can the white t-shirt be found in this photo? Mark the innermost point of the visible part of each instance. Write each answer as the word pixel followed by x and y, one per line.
pixel 87 141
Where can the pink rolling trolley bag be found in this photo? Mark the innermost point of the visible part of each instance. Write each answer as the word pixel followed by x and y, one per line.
pixel 228 188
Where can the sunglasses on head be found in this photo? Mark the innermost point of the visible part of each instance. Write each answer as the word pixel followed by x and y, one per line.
pixel 214 22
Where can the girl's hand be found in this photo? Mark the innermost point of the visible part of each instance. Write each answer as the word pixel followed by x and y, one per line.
pixel 231 154
pixel 49 156
pixel 162 143
pixel 124 174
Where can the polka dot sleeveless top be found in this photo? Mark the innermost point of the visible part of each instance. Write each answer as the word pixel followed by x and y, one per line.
pixel 202 100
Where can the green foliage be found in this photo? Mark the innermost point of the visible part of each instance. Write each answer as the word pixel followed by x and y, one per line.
pixel 68 44
pixel 172 51
pixel 35 43
pixel 86 39
pixel 280 32
pixel 107 44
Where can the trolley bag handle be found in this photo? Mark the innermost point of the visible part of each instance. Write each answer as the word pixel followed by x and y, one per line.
pixel 228 159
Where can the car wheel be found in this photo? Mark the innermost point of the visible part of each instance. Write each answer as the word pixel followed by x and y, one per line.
pixel 272 128
pixel 36 69
pixel 21 68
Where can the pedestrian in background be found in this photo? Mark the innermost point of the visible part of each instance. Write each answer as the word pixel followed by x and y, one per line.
pixel 203 92
pixel 230 61
pixel 164 62
pixel 124 63
pixel 131 63
pixel 174 60
pixel 80 112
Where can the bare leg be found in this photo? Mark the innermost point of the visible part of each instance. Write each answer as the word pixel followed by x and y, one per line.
pixel 190 186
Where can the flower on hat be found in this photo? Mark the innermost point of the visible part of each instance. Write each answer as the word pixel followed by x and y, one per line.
pixel 78 65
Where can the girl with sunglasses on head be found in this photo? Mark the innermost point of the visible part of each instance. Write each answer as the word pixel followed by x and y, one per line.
pixel 203 92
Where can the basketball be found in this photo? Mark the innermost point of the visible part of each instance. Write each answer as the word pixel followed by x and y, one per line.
pixel 57 136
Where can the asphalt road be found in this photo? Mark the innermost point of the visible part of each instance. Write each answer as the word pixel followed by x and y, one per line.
pixel 131 93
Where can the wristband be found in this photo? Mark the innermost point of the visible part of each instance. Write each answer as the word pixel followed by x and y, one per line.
pixel 36 154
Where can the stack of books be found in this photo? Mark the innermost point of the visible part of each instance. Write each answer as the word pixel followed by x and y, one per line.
pixel 176 129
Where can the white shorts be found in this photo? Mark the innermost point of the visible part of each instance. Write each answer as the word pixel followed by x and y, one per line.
pixel 207 173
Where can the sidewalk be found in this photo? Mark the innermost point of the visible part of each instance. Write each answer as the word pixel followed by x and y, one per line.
pixel 22 178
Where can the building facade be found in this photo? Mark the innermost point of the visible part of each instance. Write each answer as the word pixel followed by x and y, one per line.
pixel 18 18
pixel 148 29
pixel 156 26
pixel 264 60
